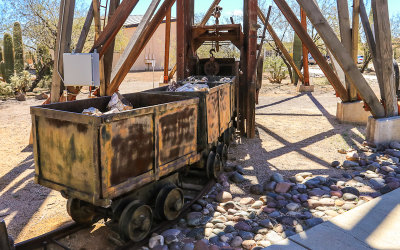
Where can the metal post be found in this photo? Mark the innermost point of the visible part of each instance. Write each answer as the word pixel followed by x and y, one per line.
pixel 167 44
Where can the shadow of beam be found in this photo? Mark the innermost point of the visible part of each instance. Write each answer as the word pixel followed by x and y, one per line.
pixel 281 101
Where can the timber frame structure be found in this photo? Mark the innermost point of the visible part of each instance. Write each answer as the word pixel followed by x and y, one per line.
pixel 191 36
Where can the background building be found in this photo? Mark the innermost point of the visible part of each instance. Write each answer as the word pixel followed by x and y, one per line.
pixel 154 49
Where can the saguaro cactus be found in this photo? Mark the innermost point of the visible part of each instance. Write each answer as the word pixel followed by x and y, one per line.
pixel 297 52
pixel 18 48
pixel 2 64
pixel 8 57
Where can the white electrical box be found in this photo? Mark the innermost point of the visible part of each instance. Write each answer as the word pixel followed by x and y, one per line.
pixel 81 69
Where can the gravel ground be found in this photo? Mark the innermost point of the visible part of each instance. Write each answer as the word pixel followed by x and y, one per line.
pixel 295 133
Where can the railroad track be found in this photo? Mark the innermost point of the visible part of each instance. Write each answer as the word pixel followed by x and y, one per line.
pixel 54 237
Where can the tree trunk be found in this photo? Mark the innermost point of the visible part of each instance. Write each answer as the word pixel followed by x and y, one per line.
pixel 365 64
pixel 39 77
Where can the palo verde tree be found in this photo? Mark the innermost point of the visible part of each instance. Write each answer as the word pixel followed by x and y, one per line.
pixel 18 48
pixel 8 57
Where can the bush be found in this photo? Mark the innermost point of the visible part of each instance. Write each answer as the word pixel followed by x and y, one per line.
pixel 5 89
pixel 45 83
pixel 21 82
pixel 277 69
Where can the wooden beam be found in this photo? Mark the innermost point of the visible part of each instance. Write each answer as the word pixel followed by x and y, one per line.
pixel 306 72
pixel 85 30
pixel 355 36
pixel 172 73
pixel 119 67
pixel 279 43
pixel 97 32
pixel 184 24
pixel 137 43
pixel 251 53
pixel 96 16
pixel 167 44
pixel 384 49
pixel 63 45
pixel 343 58
pixel 372 46
pixel 209 13
pixel 319 58
pixel 345 30
pixel 109 55
pixel 113 26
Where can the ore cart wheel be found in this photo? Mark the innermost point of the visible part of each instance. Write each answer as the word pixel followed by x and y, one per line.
pixel 135 222
pixel 214 165
pixel 169 202
pixel 227 137
pixel 222 150
pixel 81 212
pixel 119 208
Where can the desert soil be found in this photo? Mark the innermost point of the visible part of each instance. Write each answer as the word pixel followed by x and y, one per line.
pixel 295 133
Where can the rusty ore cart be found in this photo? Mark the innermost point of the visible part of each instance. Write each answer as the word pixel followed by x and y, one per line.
pixel 217 112
pixel 94 161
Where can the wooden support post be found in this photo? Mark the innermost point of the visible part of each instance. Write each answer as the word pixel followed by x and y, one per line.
pixel 113 26
pixel 109 54
pixel 137 43
pixel 355 36
pixel 97 32
pixel 345 31
pixel 372 46
pixel 319 58
pixel 209 13
pixel 306 72
pixel 63 45
pixel 85 31
pixel 251 49
pixel 384 50
pixel 184 23
pixel 343 58
pixel 279 43
pixel 167 44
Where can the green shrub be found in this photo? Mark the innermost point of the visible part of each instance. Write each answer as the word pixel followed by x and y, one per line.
pixel 21 82
pixel 5 89
pixel 18 48
pixel 277 69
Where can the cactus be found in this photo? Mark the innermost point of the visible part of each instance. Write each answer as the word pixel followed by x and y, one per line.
pixel 297 53
pixel 2 64
pixel 8 57
pixel 18 48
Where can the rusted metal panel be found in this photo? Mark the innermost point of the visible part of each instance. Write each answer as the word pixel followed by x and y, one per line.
pixel 184 160
pixel 224 107
pixel 127 148
pixel 177 133
pixel 66 151
pixel 215 109
pixel 212 117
